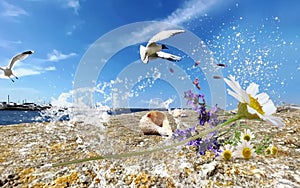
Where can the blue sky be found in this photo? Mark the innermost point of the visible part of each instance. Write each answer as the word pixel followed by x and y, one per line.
pixel 258 40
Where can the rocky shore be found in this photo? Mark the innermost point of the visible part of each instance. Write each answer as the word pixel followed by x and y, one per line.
pixel 27 150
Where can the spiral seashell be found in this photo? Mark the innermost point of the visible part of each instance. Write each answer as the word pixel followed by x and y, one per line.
pixel 155 123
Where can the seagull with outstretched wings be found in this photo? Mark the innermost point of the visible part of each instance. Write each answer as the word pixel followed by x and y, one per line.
pixel 19 57
pixel 153 50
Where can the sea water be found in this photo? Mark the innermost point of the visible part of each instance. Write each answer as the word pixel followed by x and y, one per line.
pixel 8 117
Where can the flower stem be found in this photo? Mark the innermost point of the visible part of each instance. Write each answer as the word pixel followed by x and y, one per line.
pixel 137 153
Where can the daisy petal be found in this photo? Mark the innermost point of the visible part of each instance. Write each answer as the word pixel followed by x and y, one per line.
pixel 269 108
pixel 245 97
pixel 277 121
pixel 252 89
pixel 262 98
pixel 233 84
pixel 252 110
pixel 235 95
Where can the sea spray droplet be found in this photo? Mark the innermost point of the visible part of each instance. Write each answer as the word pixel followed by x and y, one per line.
pixel 252 51
pixel 196 83
pixel 171 70
pixel 217 77
pixel 221 65
pixel 197 63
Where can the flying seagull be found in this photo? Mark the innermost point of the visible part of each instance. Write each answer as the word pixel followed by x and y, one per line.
pixel 19 57
pixel 153 50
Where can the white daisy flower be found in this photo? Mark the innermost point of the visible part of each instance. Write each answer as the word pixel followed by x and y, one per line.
pixel 227 152
pixel 247 135
pixel 257 104
pixel 244 150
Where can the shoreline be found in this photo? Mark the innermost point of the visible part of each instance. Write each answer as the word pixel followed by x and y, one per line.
pixel 24 108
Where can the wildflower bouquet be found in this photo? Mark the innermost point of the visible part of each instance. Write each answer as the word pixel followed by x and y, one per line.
pixel 251 106
pixel 245 146
pixel 205 116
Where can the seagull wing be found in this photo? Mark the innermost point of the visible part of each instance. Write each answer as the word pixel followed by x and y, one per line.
pixel 1 68
pixel 19 57
pixel 143 54
pixel 168 56
pixel 164 35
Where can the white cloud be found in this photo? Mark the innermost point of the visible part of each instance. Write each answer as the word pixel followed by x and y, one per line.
pixel 11 10
pixel 52 68
pixel 20 72
pixel 35 66
pixel 29 66
pixel 56 55
pixel 8 43
pixel 74 4
pixel 187 12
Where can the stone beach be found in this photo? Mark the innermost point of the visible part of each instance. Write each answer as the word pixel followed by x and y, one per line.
pixel 28 149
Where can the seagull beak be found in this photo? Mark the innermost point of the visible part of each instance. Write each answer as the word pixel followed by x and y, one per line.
pixel 164 46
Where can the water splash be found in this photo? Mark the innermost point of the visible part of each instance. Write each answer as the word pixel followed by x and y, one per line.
pixel 72 106
pixel 158 103
pixel 63 109
pixel 252 52
pixel 60 109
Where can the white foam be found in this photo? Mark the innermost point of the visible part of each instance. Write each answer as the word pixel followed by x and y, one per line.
pixel 77 111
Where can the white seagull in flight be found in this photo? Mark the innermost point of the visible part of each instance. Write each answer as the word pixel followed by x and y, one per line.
pixel 153 50
pixel 19 57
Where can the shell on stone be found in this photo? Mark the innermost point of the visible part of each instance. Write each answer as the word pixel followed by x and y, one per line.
pixel 155 123
pixel 177 113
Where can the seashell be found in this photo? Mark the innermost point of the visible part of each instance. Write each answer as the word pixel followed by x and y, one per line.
pixel 155 123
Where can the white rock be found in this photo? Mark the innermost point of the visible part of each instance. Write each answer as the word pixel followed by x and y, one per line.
pixel 284 183
pixel 155 122
pixel 208 168
pixel 177 113
pixel 79 140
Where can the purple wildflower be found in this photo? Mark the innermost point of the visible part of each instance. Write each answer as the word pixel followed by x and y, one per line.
pixel 198 103
pixel 200 107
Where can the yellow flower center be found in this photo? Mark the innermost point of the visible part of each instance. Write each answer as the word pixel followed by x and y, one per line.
pixel 247 137
pixel 268 151
pixel 255 105
pixel 274 150
pixel 246 153
pixel 227 155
